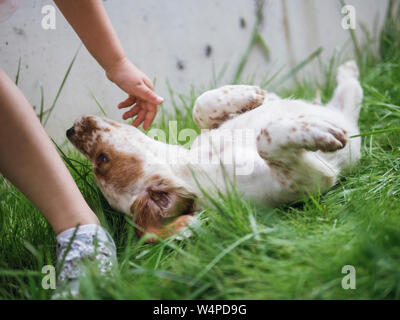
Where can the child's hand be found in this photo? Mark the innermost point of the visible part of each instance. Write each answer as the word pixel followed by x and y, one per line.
pixel 140 90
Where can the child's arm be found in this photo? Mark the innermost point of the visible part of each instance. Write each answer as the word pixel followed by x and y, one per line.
pixel 90 21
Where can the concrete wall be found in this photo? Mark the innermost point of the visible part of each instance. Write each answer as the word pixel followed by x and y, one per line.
pixel 168 39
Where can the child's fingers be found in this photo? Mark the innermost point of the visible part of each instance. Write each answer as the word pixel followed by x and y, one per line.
pixel 127 102
pixel 139 119
pixel 148 119
pixel 132 112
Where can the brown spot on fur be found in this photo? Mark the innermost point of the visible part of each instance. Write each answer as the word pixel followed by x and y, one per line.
pixel 122 169
pixel 214 126
pixel 304 126
pixel 221 118
pixel 87 134
pixel 266 133
pixel 325 145
pixel 252 103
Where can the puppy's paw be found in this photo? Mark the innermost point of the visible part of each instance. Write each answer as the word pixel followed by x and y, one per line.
pixel 347 70
pixel 322 135
pixel 181 226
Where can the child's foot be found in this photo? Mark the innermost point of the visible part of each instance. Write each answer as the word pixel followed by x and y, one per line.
pixel 90 242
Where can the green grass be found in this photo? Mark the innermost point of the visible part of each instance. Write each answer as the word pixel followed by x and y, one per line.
pixel 241 250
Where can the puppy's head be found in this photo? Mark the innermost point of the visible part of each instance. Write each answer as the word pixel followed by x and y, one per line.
pixel 149 191
pixel 113 150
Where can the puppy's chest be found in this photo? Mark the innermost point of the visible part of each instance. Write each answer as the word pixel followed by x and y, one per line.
pixel 118 201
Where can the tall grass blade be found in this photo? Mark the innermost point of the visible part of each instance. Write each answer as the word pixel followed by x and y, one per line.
pixel 18 71
pixel 297 68
pixel 50 110
pixel 96 101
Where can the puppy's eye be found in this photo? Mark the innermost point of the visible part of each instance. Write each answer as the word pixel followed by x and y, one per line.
pixel 102 158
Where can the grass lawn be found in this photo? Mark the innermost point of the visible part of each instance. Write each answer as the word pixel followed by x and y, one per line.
pixel 241 250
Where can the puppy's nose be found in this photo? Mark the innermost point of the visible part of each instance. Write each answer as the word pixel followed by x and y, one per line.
pixel 70 132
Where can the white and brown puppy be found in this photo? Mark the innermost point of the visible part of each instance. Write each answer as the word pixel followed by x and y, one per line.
pixel 275 150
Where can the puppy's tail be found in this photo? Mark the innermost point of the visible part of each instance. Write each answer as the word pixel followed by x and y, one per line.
pixel 348 94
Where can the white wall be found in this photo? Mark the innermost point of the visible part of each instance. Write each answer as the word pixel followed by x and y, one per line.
pixel 157 35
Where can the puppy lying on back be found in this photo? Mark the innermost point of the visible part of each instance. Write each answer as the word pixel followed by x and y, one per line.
pixel 275 150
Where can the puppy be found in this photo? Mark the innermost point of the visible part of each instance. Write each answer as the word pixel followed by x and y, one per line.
pixel 274 150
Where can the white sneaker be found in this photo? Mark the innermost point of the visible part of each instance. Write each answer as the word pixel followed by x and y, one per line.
pixel 89 242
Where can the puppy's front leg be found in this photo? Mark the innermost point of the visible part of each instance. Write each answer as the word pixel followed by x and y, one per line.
pixel 285 137
pixel 283 144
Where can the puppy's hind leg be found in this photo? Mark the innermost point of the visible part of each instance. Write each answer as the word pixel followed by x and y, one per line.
pixel 216 106
pixel 348 94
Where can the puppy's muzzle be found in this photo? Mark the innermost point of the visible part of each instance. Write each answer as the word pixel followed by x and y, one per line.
pixel 70 132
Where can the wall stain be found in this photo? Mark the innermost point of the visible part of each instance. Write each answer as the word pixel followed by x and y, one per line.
pixel 208 50
pixel 242 23
pixel 19 31
pixel 180 65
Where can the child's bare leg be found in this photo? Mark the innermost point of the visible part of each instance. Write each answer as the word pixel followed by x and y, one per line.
pixel 30 161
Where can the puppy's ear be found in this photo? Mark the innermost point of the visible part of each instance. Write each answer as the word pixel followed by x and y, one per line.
pixel 154 209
